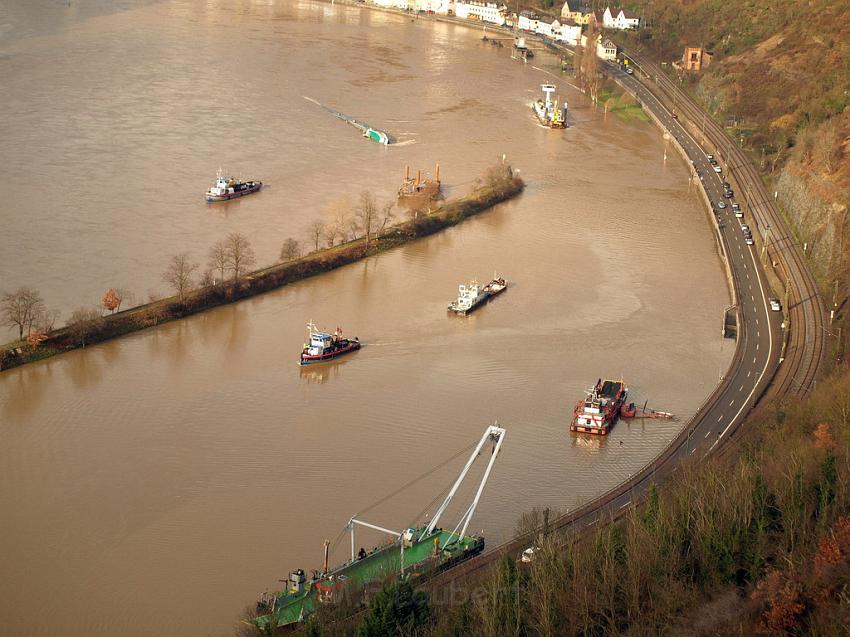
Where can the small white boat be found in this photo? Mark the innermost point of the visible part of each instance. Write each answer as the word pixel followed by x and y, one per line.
pixel 226 188
pixel 471 296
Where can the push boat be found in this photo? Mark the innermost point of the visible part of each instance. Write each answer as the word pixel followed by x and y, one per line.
pixel 550 113
pixel 226 188
pixel 471 296
pixel 599 410
pixel 414 552
pixel 322 346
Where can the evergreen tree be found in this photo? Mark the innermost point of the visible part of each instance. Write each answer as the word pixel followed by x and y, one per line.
pixel 398 609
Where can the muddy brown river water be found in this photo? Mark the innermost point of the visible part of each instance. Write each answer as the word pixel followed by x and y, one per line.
pixel 156 484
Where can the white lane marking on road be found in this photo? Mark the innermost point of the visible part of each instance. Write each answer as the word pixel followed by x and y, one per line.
pixel 591 522
pixel 720 417
pixel 626 504
pixel 731 402
pixel 741 388
pixel 706 434
pixel 748 374
pixel 769 328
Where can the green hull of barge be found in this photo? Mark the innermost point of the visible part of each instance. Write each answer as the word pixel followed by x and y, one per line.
pixel 375 567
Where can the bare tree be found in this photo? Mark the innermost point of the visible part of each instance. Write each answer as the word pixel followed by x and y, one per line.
pixel 83 324
pixel 386 217
pixel 217 259
pixel 331 232
pixel 126 297
pixel 366 213
pixel 179 274
pixel 45 320
pixel 339 216
pixel 316 230
pixel 290 250
pixel 207 278
pixel 21 308
pixel 240 254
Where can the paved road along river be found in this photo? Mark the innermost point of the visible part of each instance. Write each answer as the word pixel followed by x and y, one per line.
pixel 156 484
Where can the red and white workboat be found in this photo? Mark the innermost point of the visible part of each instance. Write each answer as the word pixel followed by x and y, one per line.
pixel 598 412
pixel 323 347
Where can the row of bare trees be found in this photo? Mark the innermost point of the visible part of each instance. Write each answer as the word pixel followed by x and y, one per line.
pixel 232 256
pixel 25 310
pixel 344 222
pixel 228 259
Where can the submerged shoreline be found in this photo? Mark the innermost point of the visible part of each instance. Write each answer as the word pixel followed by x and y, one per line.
pixel 450 213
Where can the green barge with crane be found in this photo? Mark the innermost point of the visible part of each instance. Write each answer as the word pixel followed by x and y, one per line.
pixel 412 552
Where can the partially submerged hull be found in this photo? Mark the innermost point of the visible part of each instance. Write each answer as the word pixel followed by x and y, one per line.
pixel 377 136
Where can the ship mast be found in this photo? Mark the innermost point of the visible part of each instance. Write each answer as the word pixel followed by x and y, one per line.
pixel 493 432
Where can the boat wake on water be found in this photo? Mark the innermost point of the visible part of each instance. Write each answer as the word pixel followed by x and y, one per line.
pixel 372 133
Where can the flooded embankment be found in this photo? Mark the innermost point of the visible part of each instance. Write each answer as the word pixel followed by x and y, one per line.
pixel 157 483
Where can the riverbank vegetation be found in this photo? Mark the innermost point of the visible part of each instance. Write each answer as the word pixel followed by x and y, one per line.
pixel 350 234
pixel 754 542
pixel 622 104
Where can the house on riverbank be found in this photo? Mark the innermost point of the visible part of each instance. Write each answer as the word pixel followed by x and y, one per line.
pixel 567 32
pixel 575 11
pixel 483 11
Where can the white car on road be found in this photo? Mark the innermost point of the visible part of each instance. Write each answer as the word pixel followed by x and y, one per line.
pixel 775 305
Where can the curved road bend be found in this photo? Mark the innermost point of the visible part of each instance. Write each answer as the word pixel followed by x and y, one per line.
pixel 805 312
pixel 754 364
pixel 757 354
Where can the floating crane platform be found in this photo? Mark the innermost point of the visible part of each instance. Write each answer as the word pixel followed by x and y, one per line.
pixel 419 190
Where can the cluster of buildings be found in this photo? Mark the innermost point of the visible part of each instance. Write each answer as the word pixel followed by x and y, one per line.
pixel 566 28
pixel 573 16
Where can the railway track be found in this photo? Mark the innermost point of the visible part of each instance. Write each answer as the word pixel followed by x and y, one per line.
pixel 805 318
pixel 795 378
pixel 804 346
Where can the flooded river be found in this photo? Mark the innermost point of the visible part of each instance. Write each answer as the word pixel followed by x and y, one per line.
pixel 155 485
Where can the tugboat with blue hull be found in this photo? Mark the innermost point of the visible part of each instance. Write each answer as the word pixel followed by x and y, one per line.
pixel 227 188
pixel 322 347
